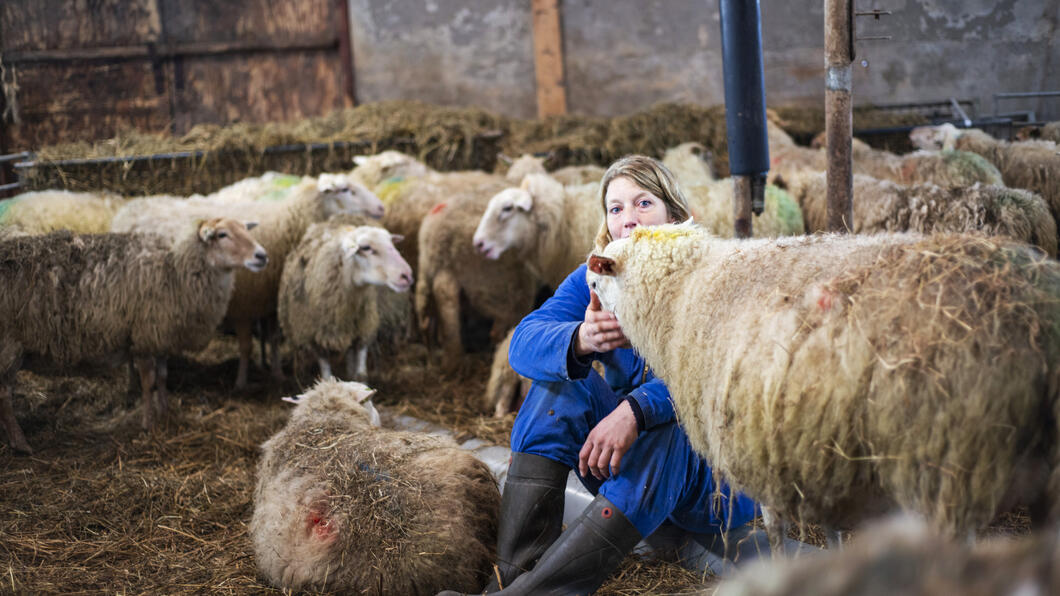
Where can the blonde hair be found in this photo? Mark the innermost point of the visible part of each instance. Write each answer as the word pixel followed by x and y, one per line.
pixel 651 175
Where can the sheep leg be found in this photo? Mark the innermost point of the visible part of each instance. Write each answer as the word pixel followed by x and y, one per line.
pixel 161 393
pixel 325 368
pixel 776 530
pixel 7 414
pixel 277 361
pixel 260 323
pixel 446 292
pixel 147 369
pixel 422 316
pixel 243 328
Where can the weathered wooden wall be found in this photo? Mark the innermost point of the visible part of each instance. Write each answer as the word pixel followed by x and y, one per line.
pixel 86 68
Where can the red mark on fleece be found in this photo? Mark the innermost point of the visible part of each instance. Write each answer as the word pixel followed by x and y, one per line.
pixel 437 208
pixel 320 526
pixel 824 302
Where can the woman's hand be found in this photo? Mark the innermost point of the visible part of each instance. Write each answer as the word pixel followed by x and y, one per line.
pixel 608 442
pixel 600 331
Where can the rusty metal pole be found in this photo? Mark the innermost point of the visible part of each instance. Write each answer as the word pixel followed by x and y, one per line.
pixel 839 125
pixel 745 109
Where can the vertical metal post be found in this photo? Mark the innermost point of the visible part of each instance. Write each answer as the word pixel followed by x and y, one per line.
pixel 839 125
pixel 745 109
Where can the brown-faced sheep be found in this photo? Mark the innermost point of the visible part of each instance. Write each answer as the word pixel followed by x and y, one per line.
pixel 70 299
pixel 327 295
pixel 833 377
pixel 346 507
pixel 1032 165
pixel 449 267
pixel 44 211
pixel 884 206
pixel 281 227
pixel 903 556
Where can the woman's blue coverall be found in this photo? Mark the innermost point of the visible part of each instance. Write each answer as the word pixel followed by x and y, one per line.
pixel 661 477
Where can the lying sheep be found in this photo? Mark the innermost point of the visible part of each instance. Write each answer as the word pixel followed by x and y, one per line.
pixel 834 377
pixel 71 299
pixel 44 211
pixel 1032 165
pixel 883 206
pixel 688 163
pixel 903 556
pixel 449 268
pixel 505 388
pixel 712 206
pixel 342 506
pixel 274 186
pixel 327 295
pixel 282 225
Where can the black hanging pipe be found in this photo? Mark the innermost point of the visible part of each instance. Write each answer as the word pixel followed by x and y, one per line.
pixel 745 108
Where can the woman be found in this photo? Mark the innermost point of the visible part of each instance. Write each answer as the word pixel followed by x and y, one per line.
pixel 618 432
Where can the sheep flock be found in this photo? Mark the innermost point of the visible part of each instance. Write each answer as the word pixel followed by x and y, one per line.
pixel 912 365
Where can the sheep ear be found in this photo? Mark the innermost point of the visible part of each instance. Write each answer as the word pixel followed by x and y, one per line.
pixel 602 265
pixel 250 224
pixel 206 231
pixel 395 238
pixel 360 160
pixel 507 160
pixel 297 399
pixel 365 396
pixel 525 201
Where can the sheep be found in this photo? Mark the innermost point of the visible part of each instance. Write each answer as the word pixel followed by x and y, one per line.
pixel 274 186
pixel 327 298
pixel 282 225
pixel 903 556
pixel 532 164
pixel 71 299
pixel 712 205
pixel 505 388
pixel 342 505
pixel 945 168
pixel 550 227
pixel 883 206
pixel 688 163
pixel 449 268
pixel 833 377
pixel 1032 165
pixel 44 211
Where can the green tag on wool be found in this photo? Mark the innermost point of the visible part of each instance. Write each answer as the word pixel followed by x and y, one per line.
pixel 280 187
pixel 389 188
pixel 4 206
pixel 788 212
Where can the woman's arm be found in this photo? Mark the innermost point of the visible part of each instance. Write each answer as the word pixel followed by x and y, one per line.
pixel 541 345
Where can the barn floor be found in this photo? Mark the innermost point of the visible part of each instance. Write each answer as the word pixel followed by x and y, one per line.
pixel 102 506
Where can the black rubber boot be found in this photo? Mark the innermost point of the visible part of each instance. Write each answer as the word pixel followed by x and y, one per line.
pixel 531 516
pixel 583 556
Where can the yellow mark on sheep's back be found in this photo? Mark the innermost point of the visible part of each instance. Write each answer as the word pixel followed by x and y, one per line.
pixel 661 233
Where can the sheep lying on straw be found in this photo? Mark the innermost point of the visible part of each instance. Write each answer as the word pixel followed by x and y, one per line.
pixel 282 225
pixel 883 206
pixel 1033 165
pixel 345 507
pixel 833 377
pixel 903 556
pixel 327 294
pixel 44 211
pixel 71 299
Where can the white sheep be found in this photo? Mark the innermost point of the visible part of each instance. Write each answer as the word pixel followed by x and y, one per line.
pixel 327 294
pixel 884 206
pixel 532 164
pixel 274 186
pixel 281 226
pixel 70 299
pixel 833 377
pixel 1032 165
pixel 688 163
pixel 343 505
pixel 40 212
pixel 449 268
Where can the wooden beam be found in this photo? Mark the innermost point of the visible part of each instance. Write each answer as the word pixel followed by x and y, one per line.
pixel 346 52
pixel 140 51
pixel 548 58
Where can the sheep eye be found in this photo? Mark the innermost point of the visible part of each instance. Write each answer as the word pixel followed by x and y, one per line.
pixel 506 208
pixel 593 285
pixel 365 249
pixel 222 234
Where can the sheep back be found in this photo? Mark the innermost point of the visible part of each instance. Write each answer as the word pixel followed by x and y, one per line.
pixel 347 507
pixel 40 212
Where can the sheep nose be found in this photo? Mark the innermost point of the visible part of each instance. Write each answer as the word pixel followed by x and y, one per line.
pixel 261 256
pixel 407 278
pixel 480 245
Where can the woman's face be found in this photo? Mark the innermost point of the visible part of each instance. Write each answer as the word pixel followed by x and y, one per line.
pixel 629 206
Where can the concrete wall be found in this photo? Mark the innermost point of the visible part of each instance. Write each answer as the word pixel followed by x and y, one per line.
pixel 624 55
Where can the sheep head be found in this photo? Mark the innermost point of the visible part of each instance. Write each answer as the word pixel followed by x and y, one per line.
pixel 370 258
pixel 229 244
pixel 374 169
pixel 341 398
pixel 507 221
pixel 934 138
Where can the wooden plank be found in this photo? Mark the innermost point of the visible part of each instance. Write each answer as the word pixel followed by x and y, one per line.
pixel 264 21
pixel 325 42
pixel 34 25
pixel 343 33
pixel 548 58
pixel 258 88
